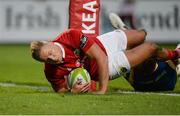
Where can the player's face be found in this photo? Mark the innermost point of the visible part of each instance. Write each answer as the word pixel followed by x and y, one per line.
pixel 51 54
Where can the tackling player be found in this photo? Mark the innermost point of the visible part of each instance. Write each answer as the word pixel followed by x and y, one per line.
pixel 101 56
pixel 152 74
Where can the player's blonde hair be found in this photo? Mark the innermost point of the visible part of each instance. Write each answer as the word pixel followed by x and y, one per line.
pixel 35 48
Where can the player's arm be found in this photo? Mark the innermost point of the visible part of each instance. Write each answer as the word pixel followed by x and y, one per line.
pixel 60 86
pixel 56 78
pixel 64 88
pixel 89 47
pixel 96 53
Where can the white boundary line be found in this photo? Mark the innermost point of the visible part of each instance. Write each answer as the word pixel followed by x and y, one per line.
pixel 35 87
pixel 46 88
pixel 155 93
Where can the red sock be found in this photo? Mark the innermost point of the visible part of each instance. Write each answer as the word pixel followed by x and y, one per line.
pixel 172 54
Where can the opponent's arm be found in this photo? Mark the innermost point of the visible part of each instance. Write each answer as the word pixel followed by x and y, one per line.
pixel 96 53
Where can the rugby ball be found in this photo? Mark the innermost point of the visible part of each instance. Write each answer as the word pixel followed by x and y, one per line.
pixel 80 74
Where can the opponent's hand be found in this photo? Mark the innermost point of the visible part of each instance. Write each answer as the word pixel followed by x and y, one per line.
pixel 80 88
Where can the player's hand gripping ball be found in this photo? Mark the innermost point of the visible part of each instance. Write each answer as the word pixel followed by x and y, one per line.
pixel 80 74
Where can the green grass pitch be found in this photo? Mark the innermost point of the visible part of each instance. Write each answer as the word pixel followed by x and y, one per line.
pixel 27 96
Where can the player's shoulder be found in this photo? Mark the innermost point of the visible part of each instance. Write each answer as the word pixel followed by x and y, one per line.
pixel 166 66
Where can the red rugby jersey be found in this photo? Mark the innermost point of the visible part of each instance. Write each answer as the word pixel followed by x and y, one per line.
pixel 75 46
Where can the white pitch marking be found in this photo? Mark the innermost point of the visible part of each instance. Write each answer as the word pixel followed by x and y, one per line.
pixel 40 88
pixel 156 93
pixel 46 88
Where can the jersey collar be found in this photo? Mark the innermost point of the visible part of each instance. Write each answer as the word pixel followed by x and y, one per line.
pixel 61 47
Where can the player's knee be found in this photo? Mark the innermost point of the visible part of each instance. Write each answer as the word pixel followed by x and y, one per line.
pixel 152 47
pixel 140 35
pixel 143 34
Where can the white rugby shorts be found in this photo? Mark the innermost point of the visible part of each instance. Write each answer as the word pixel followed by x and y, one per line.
pixel 115 43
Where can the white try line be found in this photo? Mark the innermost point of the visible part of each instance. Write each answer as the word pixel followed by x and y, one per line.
pixel 39 88
pixel 156 93
pixel 46 89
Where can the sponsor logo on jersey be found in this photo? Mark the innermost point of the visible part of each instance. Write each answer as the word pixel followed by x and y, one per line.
pixel 123 71
pixel 77 52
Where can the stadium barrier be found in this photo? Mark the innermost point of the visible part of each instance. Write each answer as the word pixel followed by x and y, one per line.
pixel 22 21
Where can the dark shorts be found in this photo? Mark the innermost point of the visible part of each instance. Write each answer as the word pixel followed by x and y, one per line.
pixel 163 79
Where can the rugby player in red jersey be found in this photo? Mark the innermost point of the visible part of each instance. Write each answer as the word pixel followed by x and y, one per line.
pixel 102 56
